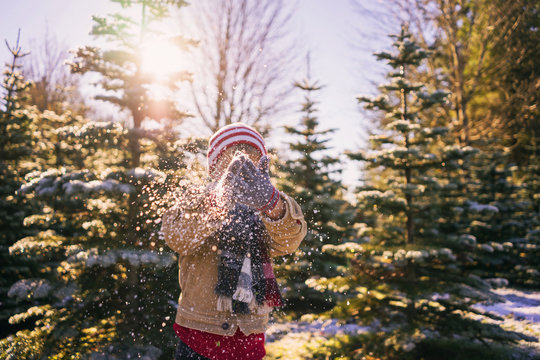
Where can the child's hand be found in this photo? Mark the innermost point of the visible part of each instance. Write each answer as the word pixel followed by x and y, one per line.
pixel 245 183
pixel 225 189
pixel 253 186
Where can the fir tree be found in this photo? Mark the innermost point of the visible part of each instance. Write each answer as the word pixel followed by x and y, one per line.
pixel 309 175
pixel 407 282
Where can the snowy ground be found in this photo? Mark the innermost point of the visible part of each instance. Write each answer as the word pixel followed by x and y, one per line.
pixel 520 312
pixel 325 328
pixel 295 340
pixel 522 305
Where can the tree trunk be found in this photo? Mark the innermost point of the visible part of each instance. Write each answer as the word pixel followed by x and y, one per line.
pixel 135 150
pixel 408 198
pixel 408 171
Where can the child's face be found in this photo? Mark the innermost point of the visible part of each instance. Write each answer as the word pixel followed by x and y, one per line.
pixel 228 154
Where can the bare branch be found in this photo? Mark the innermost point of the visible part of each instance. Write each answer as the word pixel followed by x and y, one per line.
pixel 55 88
pixel 244 62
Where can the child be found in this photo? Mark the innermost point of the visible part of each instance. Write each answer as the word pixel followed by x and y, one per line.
pixel 225 237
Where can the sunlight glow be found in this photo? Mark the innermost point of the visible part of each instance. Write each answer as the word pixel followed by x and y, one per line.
pixel 161 58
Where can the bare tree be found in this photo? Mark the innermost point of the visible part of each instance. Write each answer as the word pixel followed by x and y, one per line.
pixel 243 63
pixel 55 87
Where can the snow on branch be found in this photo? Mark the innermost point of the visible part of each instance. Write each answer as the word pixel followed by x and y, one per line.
pixel 30 289
pixel 474 206
pixel 110 186
pixel 63 182
pixel 136 258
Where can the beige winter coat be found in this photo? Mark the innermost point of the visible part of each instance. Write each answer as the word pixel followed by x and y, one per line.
pixel 191 232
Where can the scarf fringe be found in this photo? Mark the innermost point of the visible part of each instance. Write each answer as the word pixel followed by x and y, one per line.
pixel 264 309
pixel 246 281
pixel 224 303
pixel 243 295
pixel 253 305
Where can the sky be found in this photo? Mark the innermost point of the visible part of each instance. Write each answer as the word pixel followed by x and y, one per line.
pixel 340 35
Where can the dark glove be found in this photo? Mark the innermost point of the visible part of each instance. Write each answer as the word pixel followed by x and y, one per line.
pixel 253 187
pixel 225 191
pixel 247 184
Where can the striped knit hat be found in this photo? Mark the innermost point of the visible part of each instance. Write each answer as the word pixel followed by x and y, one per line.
pixel 230 135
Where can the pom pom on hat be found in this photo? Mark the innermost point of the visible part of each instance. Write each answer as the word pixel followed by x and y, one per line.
pixel 230 135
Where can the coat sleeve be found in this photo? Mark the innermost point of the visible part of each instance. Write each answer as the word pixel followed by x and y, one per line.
pixel 288 232
pixel 187 225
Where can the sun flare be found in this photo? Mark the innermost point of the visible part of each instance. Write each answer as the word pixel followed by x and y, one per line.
pixel 161 58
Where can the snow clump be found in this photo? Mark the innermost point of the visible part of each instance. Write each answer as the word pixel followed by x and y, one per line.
pixel 34 288
pixel 474 206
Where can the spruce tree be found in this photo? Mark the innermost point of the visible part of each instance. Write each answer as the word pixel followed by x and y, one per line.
pixel 408 283
pixel 15 150
pixel 105 284
pixel 310 176
pixel 499 216
pixel 495 215
pixel 122 79
pixel 526 270
pixel 82 299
